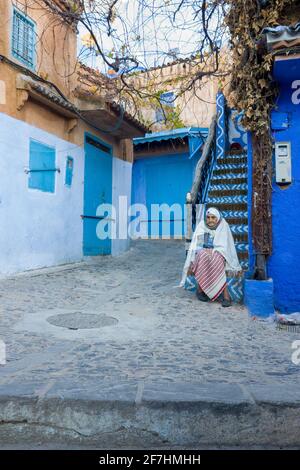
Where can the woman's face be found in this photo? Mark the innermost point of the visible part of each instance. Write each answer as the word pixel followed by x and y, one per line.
pixel 211 220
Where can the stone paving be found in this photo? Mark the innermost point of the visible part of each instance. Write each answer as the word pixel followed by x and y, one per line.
pixel 146 329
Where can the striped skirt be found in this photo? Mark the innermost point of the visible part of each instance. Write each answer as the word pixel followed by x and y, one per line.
pixel 209 271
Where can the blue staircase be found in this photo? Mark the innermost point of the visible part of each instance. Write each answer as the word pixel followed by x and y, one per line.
pixel 227 192
pixel 221 181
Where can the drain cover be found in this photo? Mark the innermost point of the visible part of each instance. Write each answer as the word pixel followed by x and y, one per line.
pixel 80 321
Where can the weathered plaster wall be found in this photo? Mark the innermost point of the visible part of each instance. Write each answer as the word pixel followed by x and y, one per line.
pixel 41 116
pixel 197 105
pixel 37 228
pixel 56 48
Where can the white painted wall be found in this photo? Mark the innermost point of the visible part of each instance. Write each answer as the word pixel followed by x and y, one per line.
pixel 122 178
pixel 37 228
pixel 40 229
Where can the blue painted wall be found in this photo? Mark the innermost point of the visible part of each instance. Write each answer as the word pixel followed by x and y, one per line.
pixel 162 179
pixel 284 264
pixel 249 274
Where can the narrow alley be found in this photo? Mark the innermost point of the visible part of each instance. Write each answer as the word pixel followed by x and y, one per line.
pixel 117 319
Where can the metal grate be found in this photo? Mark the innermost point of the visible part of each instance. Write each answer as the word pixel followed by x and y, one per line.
pixel 23 39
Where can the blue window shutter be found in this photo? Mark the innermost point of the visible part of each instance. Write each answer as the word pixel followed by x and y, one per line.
pixel 41 167
pixel 167 100
pixel 69 171
pixel 23 39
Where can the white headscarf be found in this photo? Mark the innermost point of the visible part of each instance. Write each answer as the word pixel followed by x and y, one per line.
pixel 223 243
pixel 215 212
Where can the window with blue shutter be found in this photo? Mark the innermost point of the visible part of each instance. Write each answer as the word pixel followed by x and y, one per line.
pixel 167 100
pixel 23 39
pixel 42 167
pixel 69 171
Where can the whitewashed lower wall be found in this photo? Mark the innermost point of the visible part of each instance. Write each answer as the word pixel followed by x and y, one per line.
pixel 37 228
pixel 40 229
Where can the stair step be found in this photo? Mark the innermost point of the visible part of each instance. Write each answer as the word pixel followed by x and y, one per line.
pixel 234 171
pixel 230 177
pixel 237 153
pixel 244 264
pixel 232 160
pixel 217 185
pixel 229 200
pixel 235 181
pixel 243 255
pixel 239 229
pixel 240 237
pixel 226 192
pixel 237 220
pixel 230 214
pixel 242 247
pixel 229 166
pixel 224 206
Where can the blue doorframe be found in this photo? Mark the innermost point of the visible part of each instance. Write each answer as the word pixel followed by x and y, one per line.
pixel 97 191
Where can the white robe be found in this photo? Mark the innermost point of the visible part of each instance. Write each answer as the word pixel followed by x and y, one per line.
pixel 223 243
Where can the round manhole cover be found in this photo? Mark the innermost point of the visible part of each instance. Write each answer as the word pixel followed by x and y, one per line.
pixel 80 321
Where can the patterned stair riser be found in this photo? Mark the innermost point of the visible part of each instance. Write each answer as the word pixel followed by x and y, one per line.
pixel 241 214
pixel 239 229
pixel 228 187
pixel 245 264
pixel 230 176
pixel 230 166
pixel 236 288
pixel 242 247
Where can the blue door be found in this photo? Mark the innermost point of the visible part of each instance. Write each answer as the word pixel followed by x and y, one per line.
pixel 97 191
pixel 163 180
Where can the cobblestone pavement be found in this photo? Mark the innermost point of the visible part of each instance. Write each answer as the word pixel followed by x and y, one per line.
pixel 152 331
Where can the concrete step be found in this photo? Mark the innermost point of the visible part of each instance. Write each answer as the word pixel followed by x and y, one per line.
pixel 236 153
pixel 242 247
pixel 234 171
pixel 228 214
pixel 237 220
pixel 229 176
pixel 232 160
pixel 226 192
pixel 229 206
pixel 229 166
pixel 224 183
pixel 146 415
pixel 239 229
pixel 240 237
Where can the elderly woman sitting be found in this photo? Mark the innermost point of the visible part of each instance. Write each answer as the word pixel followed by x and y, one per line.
pixel 212 251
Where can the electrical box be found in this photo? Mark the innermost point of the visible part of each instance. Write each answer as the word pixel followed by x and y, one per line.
pixel 283 164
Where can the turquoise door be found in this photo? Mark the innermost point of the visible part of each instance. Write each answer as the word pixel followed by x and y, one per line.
pixel 163 181
pixel 97 191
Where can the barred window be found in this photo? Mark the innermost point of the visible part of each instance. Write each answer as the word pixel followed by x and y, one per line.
pixel 23 39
